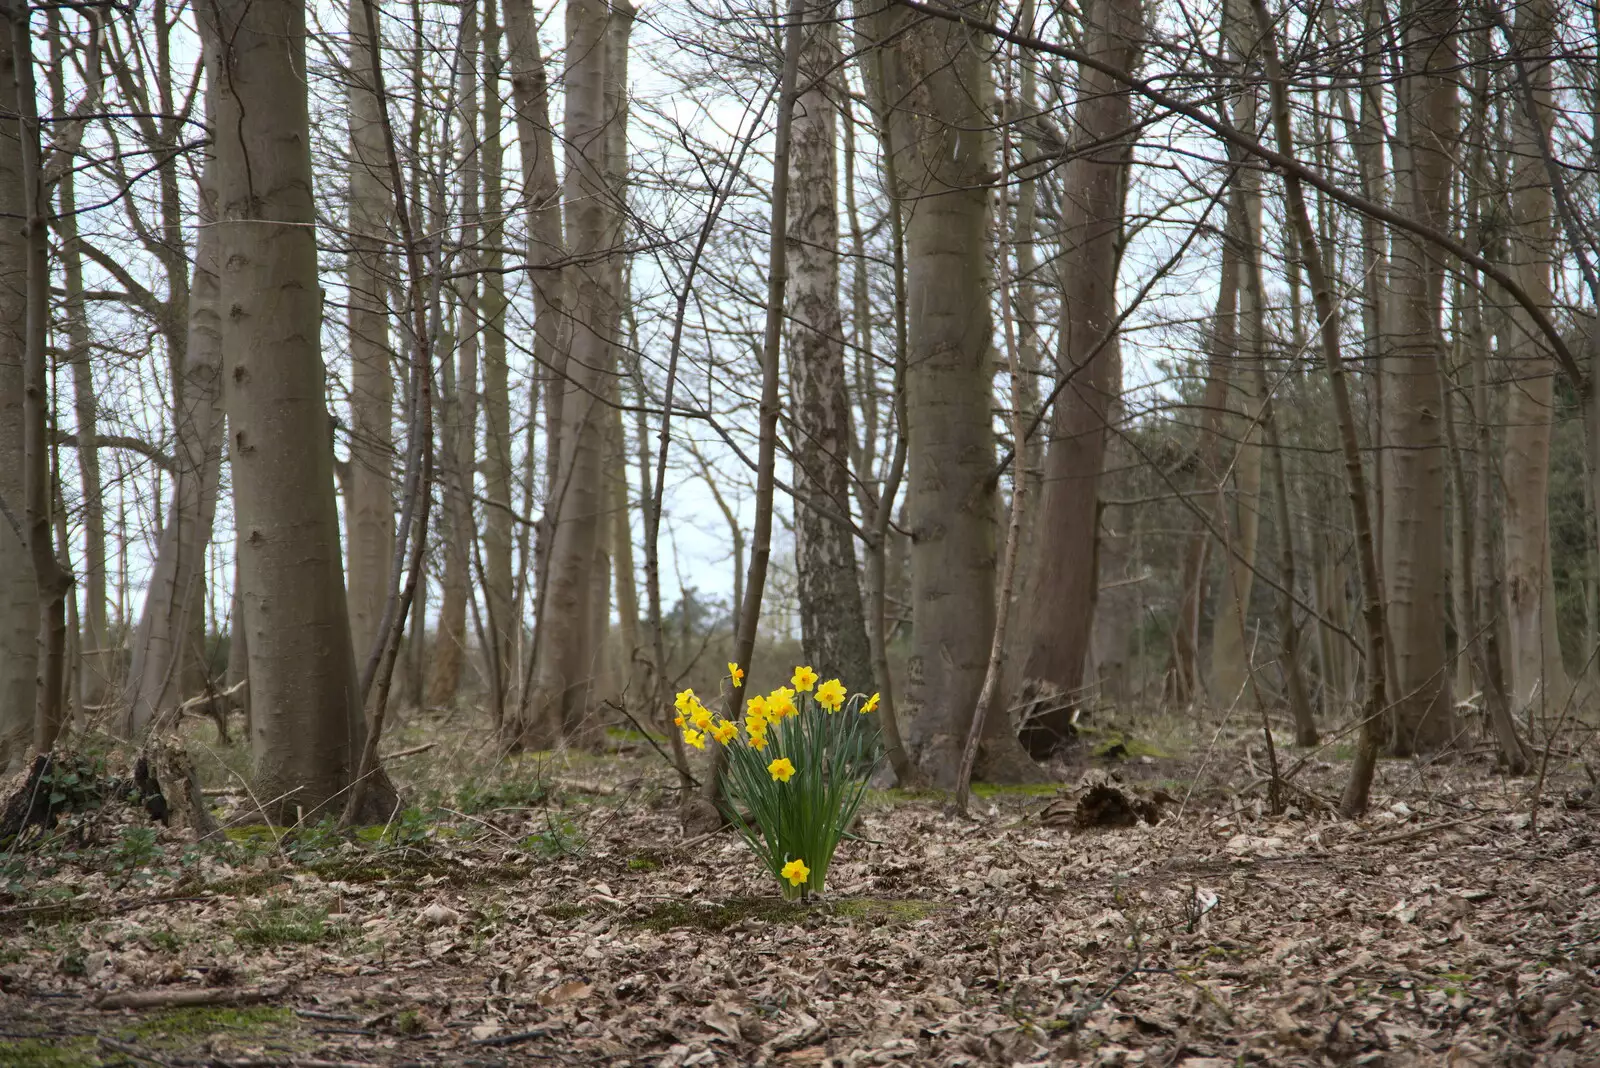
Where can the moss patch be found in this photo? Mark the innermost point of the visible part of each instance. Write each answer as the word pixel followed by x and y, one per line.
pixel 1021 789
pixel 174 1028
pixel 282 923
pixel 720 916
pixel 48 1052
pixel 876 911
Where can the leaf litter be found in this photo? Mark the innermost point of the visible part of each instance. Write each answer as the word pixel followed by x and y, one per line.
pixel 575 925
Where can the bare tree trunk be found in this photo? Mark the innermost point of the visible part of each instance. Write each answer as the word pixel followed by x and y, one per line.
pixel 163 656
pixel 460 429
pixel 1067 580
pixel 19 593
pixel 1240 512
pixel 530 92
pixel 1414 516
pixel 307 727
pixel 497 533
pixel 1538 677
pixel 567 656
pixel 369 496
pixel 1357 790
pixel 38 482
pixel 832 627
pixel 1192 576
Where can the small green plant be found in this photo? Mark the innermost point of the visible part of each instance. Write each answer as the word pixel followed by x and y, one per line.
pixel 474 798
pixel 283 923
pixel 798 769
pixel 560 838
pixel 137 847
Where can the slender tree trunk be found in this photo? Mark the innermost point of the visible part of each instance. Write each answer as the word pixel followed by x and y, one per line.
pixel 460 430
pixel 19 593
pixel 1067 580
pixel 1208 448
pixel 162 652
pixel 1414 517
pixel 38 471
pixel 1357 790
pixel 369 494
pixel 530 92
pixel 307 724
pixel 497 532
pixel 832 627
pixel 1538 678
pixel 1240 511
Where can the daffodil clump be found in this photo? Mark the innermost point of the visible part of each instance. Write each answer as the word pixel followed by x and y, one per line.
pixel 797 770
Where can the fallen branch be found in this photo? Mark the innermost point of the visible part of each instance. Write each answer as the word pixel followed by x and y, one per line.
pixel 512 1040
pixel 174 999
pixel 413 751
pixel 1418 832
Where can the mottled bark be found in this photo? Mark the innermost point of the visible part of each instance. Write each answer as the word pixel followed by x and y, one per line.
pixel 832 627
pixel 1060 622
pixel 307 725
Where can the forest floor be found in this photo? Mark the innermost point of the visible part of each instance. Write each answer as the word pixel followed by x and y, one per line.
pixel 548 910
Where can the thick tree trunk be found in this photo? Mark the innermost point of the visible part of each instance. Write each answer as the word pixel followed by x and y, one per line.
pixel 1414 553
pixel 307 725
pixel 369 491
pixel 567 655
pixel 832 626
pixel 1067 578
pixel 19 594
pixel 165 659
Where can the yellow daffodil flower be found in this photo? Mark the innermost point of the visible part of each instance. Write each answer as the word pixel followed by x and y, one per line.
pixel 758 740
pixel 700 717
pixel 724 732
pixel 679 721
pixel 685 701
pixel 755 724
pixel 804 679
pixel 695 738
pixel 780 703
pixel 736 672
pixel 781 769
pixel 871 705
pixel 757 708
pixel 831 695
pixel 796 872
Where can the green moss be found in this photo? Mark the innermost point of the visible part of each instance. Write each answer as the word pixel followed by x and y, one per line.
pixel 719 916
pixel 49 1053
pixel 1021 789
pixel 643 862
pixel 256 834
pixel 566 912
pixel 876 911
pixel 178 1027
pixel 410 1022
pixel 898 796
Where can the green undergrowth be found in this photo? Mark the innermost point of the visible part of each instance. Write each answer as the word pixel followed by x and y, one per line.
pixel 158 1033
pixel 72 1052
pixel 281 923
pixel 176 1028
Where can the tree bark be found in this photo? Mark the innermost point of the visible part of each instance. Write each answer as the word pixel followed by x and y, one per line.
pixel 19 593
pixel 832 626
pixel 369 491
pixel 307 725
pixel 164 658
pixel 1414 551
pixel 567 653
pixel 1067 580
